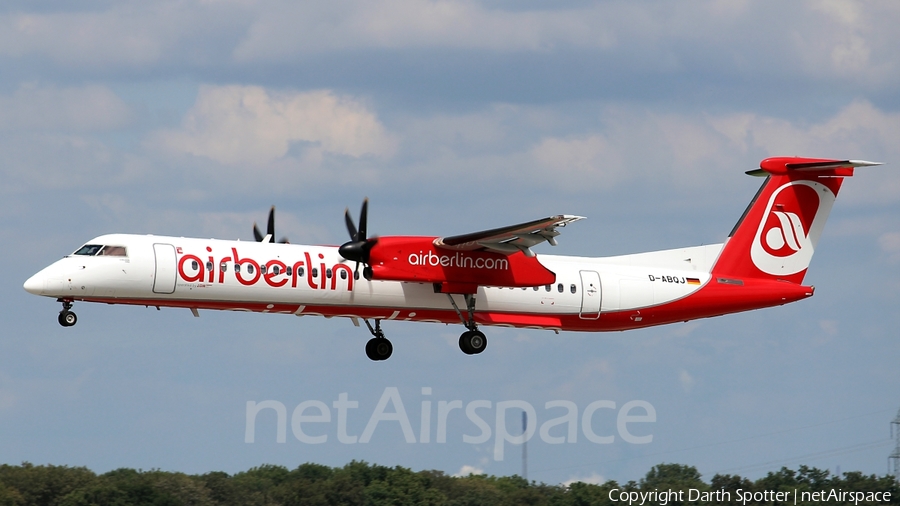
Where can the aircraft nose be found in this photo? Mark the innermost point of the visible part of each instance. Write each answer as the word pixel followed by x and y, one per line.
pixel 34 284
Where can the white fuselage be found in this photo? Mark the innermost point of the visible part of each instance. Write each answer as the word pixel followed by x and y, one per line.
pixel 300 279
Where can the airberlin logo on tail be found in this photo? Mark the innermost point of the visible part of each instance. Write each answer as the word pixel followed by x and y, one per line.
pixel 788 234
pixel 790 227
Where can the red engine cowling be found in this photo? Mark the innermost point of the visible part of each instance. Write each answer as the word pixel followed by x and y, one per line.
pixel 417 259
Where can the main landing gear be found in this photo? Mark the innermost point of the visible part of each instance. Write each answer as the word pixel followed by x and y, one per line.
pixel 378 348
pixel 472 341
pixel 66 317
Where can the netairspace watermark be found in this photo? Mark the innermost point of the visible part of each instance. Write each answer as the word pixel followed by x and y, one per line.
pixel 314 421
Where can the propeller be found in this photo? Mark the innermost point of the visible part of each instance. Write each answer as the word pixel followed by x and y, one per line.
pixel 270 230
pixel 358 247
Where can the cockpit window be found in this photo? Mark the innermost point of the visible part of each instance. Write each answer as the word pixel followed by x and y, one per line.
pixel 113 251
pixel 101 250
pixel 89 249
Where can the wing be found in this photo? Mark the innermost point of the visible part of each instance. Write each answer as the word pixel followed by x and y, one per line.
pixel 512 239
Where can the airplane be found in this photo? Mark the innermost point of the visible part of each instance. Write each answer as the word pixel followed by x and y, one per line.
pixel 488 278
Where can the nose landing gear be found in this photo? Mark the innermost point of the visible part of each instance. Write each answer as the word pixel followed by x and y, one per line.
pixel 66 317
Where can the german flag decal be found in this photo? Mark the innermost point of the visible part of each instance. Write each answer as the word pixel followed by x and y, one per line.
pixel 693 281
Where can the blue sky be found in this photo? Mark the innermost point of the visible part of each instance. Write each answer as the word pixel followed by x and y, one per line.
pixel 193 117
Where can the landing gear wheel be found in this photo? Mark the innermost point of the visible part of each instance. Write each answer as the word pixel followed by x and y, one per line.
pixel 472 342
pixel 67 318
pixel 379 348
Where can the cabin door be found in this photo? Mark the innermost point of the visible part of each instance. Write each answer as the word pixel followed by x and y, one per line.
pixel 590 295
pixel 164 276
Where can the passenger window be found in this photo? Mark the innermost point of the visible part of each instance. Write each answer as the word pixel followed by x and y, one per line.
pixel 300 271
pixel 89 249
pixel 209 266
pixel 315 272
pixel 289 271
pixel 547 288
pixel 572 288
pixel 328 273
pixel 356 275
pixel 535 288
pixel 262 269
pixel 195 265
pixel 276 270
pixel 343 274
pixel 223 267
pixel 249 268
pixel 559 288
pixel 237 268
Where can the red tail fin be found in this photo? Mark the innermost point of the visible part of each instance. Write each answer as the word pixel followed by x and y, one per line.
pixel 776 236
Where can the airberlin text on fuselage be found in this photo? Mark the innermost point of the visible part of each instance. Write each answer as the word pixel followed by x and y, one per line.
pixel 275 273
pixel 458 260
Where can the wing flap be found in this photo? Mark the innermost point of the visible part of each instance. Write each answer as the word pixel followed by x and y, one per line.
pixel 511 239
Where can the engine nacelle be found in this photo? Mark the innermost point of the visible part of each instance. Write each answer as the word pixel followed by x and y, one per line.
pixel 417 259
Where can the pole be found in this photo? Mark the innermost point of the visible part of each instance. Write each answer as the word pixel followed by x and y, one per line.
pixel 524 447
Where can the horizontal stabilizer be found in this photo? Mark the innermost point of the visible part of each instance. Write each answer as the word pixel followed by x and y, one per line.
pixel 808 166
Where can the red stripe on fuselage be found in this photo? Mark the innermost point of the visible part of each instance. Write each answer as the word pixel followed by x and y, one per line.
pixel 716 298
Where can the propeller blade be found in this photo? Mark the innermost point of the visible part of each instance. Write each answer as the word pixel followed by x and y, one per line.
pixel 270 228
pixel 350 226
pixel 256 233
pixel 357 249
pixel 363 218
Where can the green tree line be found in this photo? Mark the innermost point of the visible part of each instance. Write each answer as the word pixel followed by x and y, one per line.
pixel 361 483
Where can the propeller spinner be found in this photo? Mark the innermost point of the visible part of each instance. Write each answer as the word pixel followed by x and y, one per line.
pixel 270 230
pixel 358 247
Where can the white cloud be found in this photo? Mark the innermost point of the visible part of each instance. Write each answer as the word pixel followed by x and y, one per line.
pixel 114 36
pixel 593 479
pixel 86 108
pixel 288 225
pixel 467 470
pixel 291 28
pixel 591 161
pixel 834 39
pixel 840 40
pixel 635 144
pixel 844 11
pixel 686 329
pixel 890 244
pixel 850 40
pixel 251 125
pixel 56 161
pixel 829 327
pixel 856 129
pixel 687 381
